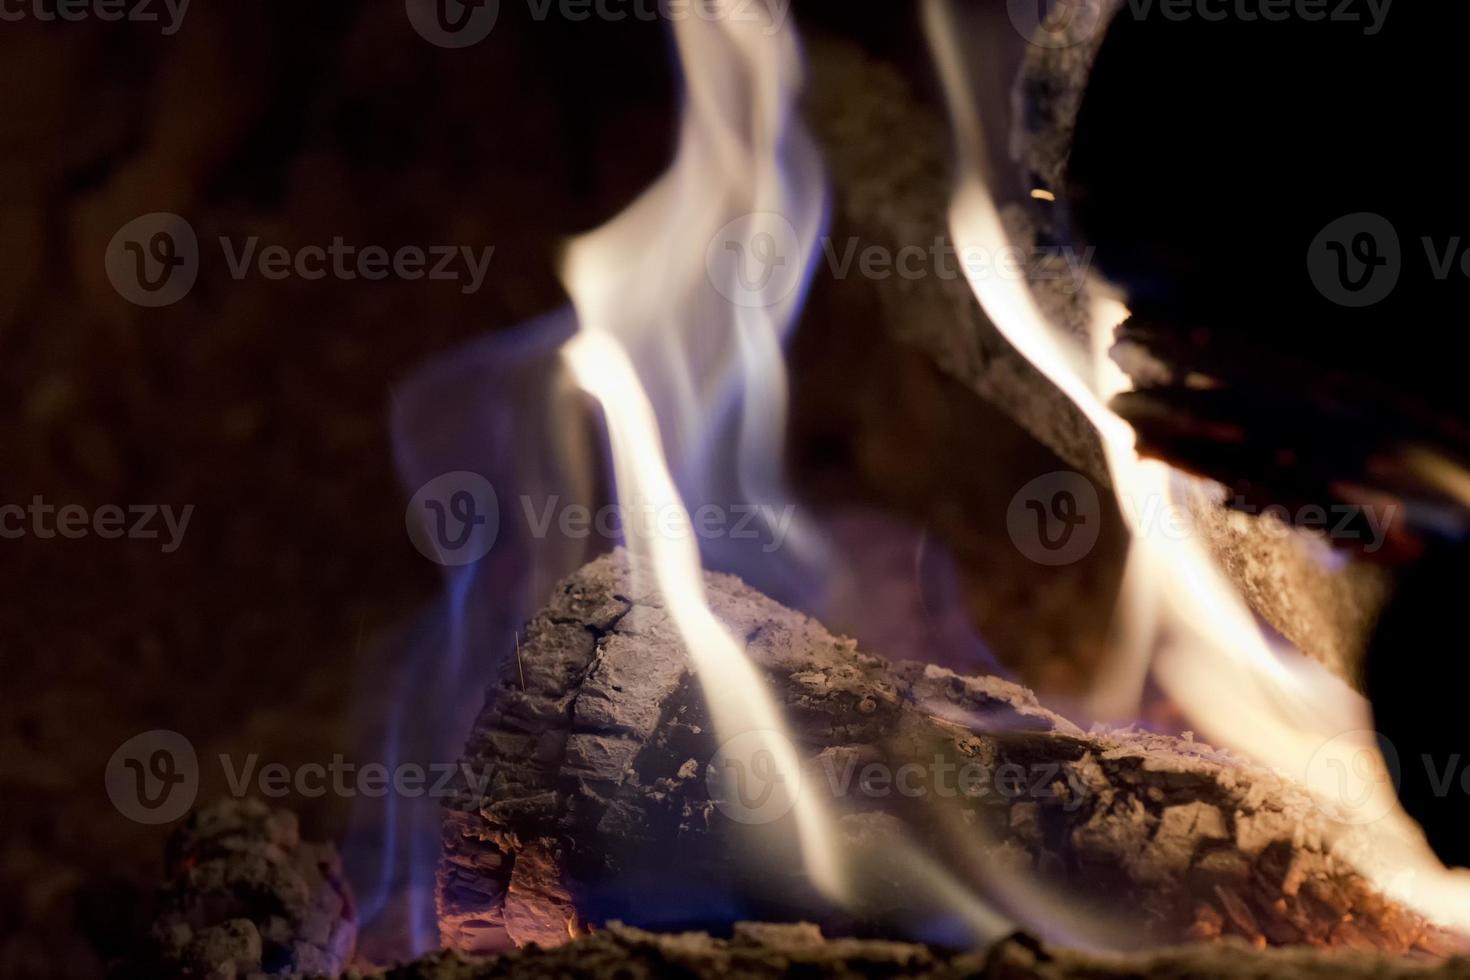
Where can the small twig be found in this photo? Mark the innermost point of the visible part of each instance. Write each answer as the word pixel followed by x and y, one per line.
pixel 519 666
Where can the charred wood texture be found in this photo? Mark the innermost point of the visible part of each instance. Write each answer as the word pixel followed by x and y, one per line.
pixel 246 896
pixel 597 745
pixel 760 951
pixel 890 160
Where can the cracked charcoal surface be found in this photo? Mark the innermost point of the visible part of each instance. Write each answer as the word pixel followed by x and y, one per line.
pixel 599 768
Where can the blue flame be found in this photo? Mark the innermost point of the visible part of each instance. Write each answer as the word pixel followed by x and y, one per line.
pixel 487 409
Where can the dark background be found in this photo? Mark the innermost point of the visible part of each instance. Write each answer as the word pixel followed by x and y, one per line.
pixel 264 404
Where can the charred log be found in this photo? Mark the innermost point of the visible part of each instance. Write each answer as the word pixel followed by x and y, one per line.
pixel 245 896
pixel 596 753
pixel 889 155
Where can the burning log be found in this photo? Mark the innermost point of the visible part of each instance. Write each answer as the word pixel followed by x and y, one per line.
pixel 757 951
pixel 596 753
pixel 889 156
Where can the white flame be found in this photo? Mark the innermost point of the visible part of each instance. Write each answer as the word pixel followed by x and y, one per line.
pixel 659 326
pixel 739 701
pixel 681 299
pixel 1182 619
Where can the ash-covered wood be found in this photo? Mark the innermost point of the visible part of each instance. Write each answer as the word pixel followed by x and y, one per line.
pixel 247 897
pixel 761 951
pixel 889 154
pixel 890 159
pixel 598 794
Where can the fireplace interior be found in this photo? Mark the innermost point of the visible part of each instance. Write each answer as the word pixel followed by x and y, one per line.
pixel 736 488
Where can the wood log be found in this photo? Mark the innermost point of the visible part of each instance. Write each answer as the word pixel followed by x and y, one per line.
pixel 759 951
pixel 596 751
pixel 246 896
pixel 890 160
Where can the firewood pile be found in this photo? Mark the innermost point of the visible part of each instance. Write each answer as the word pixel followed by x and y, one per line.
pixel 599 744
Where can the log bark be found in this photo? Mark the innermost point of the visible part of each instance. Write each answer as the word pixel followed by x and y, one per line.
pixel 597 750
pixel 758 951
pixel 889 156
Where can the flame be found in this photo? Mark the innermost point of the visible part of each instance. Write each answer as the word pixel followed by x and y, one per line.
pixel 682 303
pixel 657 326
pixel 1179 617
pixel 739 701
